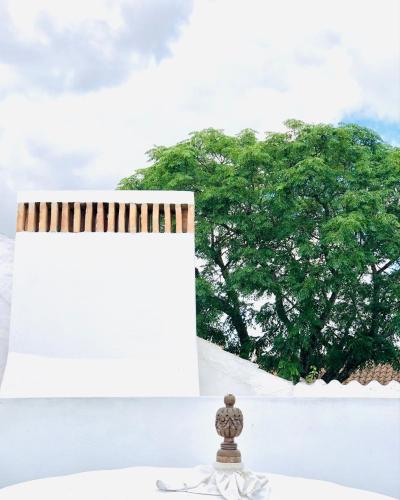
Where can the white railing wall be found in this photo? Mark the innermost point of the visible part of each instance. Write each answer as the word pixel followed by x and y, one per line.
pixel 354 442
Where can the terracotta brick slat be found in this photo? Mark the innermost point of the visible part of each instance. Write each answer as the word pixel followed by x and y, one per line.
pixel 89 218
pixel 77 217
pixel 167 215
pixel 132 226
pixel 121 218
pixel 156 218
pixel 144 218
pixel 190 219
pixel 64 217
pixel 21 216
pixel 43 217
pixel 100 218
pixel 54 217
pixel 31 219
pixel 178 218
pixel 111 218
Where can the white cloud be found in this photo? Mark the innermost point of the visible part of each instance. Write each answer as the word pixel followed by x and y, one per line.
pixel 236 64
pixel 83 46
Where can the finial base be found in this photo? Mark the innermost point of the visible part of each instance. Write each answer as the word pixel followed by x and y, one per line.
pixel 228 467
pixel 229 455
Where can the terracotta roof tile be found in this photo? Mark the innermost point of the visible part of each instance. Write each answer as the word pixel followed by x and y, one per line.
pixel 382 373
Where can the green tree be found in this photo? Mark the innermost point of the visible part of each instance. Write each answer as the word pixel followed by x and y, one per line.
pixel 298 243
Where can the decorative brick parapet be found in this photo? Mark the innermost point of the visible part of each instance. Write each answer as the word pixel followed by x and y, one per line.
pixel 76 217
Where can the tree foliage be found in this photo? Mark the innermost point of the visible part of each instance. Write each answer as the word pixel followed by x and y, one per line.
pixel 298 243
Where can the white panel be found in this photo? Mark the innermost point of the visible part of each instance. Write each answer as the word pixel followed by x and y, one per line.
pixel 103 296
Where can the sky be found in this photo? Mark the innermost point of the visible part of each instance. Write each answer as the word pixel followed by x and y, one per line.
pixel 87 87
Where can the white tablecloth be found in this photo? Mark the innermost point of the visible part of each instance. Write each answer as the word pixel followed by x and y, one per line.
pixel 139 483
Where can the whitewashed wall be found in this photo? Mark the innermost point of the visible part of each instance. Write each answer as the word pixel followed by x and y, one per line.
pixel 6 267
pixel 103 314
pixel 219 370
pixel 354 442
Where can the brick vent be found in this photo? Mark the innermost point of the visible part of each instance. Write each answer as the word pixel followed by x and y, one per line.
pixel 77 217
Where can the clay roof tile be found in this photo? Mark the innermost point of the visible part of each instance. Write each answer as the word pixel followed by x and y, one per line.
pixel 382 373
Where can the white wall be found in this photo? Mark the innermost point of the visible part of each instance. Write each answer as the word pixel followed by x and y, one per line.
pixel 102 297
pixel 351 442
pixel 90 195
pixel 6 262
pixel 221 372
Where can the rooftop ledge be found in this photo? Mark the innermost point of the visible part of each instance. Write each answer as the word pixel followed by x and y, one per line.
pixel 123 196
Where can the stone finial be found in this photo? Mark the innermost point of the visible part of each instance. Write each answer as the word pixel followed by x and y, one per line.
pixel 229 424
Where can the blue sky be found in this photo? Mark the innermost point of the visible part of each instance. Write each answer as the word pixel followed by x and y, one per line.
pixel 388 130
pixel 86 88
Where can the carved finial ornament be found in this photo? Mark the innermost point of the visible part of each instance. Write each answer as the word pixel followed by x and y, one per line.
pixel 229 424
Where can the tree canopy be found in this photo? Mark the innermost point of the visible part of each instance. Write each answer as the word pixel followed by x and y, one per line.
pixel 298 243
